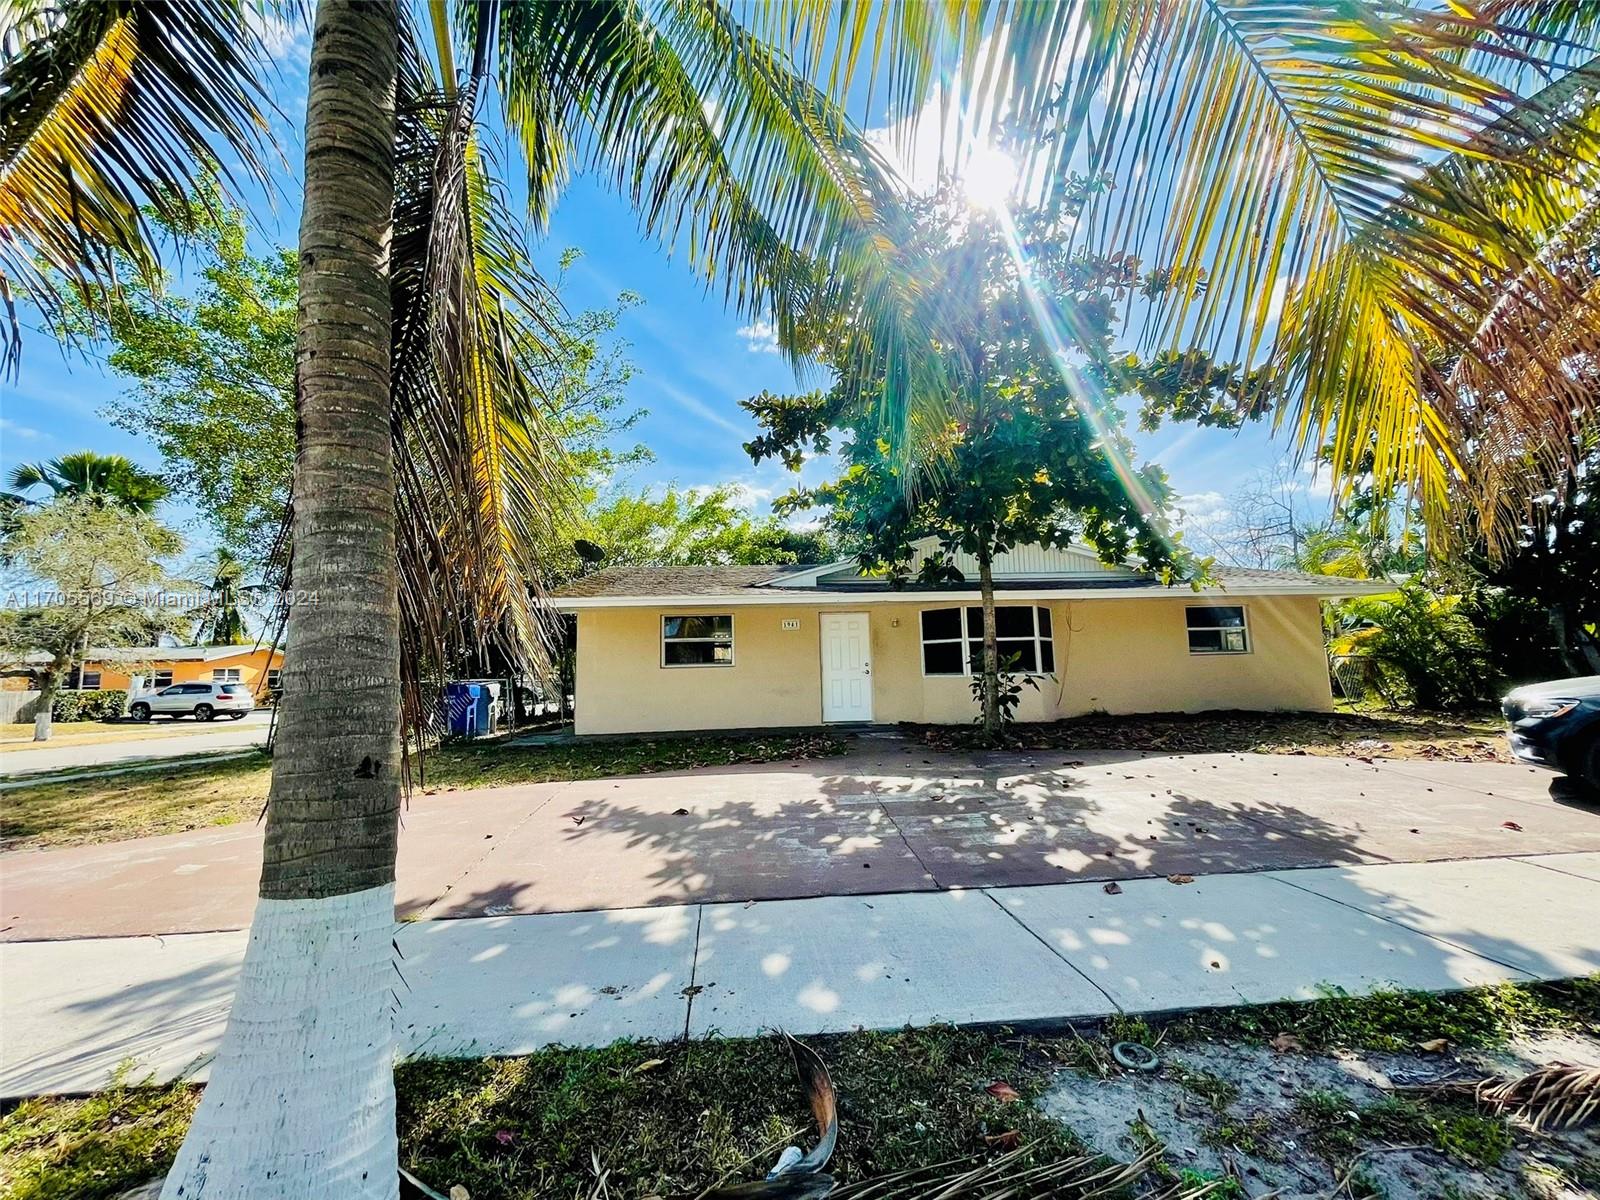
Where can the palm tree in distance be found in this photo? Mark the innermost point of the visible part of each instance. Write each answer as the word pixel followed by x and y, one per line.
pixel 714 130
pixel 85 473
pixel 221 621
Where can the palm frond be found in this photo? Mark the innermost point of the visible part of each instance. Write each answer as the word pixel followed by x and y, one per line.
pixel 1401 359
pixel 1558 1096
pixel 1258 151
pixel 479 478
pixel 730 157
pixel 105 106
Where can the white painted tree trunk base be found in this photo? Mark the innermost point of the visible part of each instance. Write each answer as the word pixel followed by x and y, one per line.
pixel 301 1100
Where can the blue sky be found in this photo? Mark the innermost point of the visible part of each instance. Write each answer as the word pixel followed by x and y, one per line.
pixel 696 361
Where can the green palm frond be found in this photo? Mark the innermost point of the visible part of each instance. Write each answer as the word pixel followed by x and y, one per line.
pixel 1276 158
pixel 729 157
pixel 1491 345
pixel 479 476
pixel 105 106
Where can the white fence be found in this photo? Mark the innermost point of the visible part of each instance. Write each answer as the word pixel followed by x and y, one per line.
pixel 18 706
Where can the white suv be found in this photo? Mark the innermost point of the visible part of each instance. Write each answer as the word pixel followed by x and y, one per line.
pixel 206 701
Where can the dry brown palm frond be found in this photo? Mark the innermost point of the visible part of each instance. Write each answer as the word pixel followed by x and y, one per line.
pixel 1555 1097
pixel 479 476
pixel 1019 1175
pixel 1559 1096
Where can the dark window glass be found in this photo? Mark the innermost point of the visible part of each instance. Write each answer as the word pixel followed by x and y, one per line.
pixel 1048 653
pixel 975 623
pixel 942 658
pixel 232 689
pixel 1226 616
pixel 719 627
pixel 698 654
pixel 1018 656
pixel 1013 621
pixel 161 679
pixel 1205 641
pixel 941 623
pixel 1044 622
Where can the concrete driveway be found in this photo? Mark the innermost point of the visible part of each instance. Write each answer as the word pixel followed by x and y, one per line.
pixel 187 738
pixel 893 818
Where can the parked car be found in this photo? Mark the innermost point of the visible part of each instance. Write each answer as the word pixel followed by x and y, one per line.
pixel 204 701
pixel 1557 725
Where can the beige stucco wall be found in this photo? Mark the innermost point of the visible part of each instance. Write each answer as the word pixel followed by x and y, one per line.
pixel 1112 655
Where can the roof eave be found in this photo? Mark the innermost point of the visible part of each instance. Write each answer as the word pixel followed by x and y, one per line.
pixel 801 597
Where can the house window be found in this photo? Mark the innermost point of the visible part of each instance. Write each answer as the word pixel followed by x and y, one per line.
pixel 274 679
pixel 952 639
pixel 1217 629
pixel 160 679
pixel 225 675
pixel 697 641
pixel 89 681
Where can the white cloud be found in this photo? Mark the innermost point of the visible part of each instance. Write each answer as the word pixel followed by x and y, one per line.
pixel 704 411
pixel 26 432
pixel 1204 510
pixel 760 336
pixel 286 40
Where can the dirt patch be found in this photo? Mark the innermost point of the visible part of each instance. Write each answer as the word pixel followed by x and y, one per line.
pixel 1345 1124
pixel 1451 737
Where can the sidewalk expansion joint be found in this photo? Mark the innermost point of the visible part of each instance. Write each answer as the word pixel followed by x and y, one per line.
pixel 1550 866
pixel 904 841
pixel 1110 999
pixel 694 970
pixel 482 858
pixel 1399 924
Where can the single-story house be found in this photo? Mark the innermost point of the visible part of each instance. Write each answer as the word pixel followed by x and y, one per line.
pixel 729 647
pixel 150 668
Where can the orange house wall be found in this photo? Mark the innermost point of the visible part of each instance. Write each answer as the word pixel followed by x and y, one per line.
pixel 253 667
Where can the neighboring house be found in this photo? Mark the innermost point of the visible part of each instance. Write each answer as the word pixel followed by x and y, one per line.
pixel 670 648
pixel 150 668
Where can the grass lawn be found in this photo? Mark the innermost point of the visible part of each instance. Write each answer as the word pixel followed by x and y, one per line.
pixel 132 805
pixel 1348 733
pixel 670 1119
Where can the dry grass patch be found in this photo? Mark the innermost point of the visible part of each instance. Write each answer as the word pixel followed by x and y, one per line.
pixel 134 804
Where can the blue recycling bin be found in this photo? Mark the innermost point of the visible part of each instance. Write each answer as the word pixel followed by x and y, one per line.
pixel 464 702
pixel 483 708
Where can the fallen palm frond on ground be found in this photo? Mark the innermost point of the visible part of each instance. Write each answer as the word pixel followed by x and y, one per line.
pixel 1559 1096
pixel 1017 1176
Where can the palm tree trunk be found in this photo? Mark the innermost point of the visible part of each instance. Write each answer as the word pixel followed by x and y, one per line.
pixel 301 1099
pixel 991 651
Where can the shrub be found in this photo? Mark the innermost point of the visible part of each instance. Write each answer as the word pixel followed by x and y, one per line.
pixel 1416 648
pixel 88 706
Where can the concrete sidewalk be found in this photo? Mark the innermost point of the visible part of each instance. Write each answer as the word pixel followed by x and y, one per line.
pixel 71 1011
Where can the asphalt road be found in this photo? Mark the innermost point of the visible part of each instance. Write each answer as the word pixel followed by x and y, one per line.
pixel 198 738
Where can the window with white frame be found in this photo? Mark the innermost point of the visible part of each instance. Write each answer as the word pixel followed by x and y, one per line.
pixel 225 675
pixel 160 679
pixel 952 639
pixel 274 679
pixel 1217 629
pixel 700 641
pixel 89 681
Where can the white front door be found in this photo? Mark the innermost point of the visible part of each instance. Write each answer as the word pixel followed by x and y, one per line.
pixel 846 667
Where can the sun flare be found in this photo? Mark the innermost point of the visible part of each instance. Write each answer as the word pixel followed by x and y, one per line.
pixel 989 179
